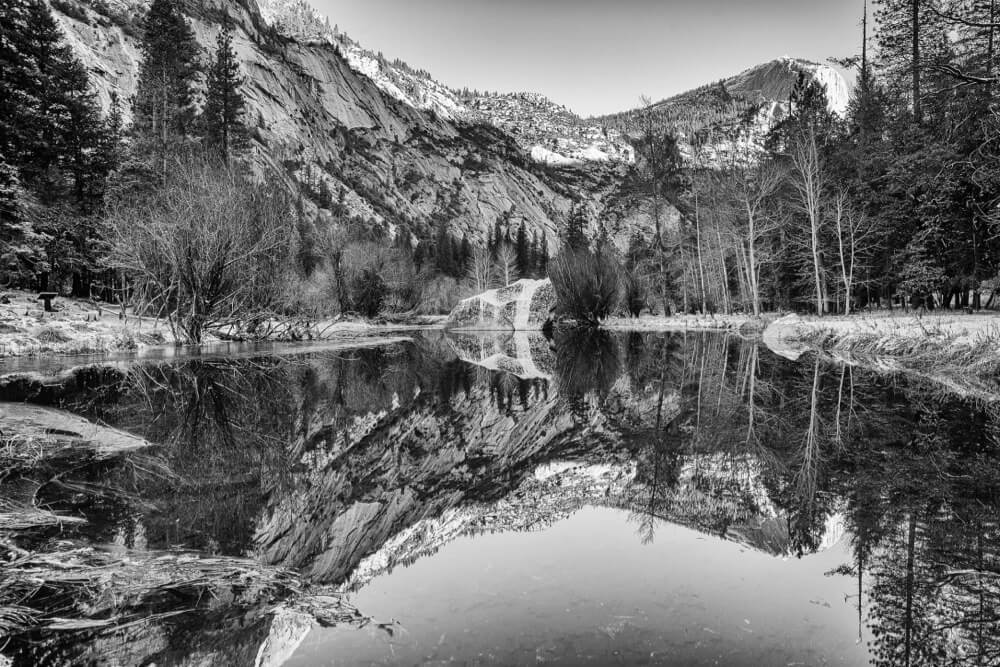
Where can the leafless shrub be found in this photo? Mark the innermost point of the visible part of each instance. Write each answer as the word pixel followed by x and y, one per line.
pixel 207 247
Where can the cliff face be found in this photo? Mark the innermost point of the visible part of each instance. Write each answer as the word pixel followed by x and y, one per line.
pixel 321 115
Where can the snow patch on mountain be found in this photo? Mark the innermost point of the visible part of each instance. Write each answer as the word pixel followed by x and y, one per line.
pixel 545 156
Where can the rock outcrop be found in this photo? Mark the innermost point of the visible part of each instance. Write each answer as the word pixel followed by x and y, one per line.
pixel 522 306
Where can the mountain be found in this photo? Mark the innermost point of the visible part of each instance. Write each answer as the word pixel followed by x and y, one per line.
pixel 550 132
pixel 379 143
pixel 331 120
pixel 735 114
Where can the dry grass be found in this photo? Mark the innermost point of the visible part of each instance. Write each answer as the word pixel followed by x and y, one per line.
pixel 934 349
pixel 85 588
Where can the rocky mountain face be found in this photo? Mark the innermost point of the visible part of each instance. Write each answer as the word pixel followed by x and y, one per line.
pixel 322 118
pixel 550 132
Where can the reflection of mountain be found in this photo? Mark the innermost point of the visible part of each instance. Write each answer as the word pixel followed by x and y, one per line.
pixel 397 483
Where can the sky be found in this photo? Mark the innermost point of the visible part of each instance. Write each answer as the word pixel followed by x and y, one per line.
pixel 596 56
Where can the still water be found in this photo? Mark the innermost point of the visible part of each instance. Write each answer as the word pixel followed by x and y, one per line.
pixel 686 499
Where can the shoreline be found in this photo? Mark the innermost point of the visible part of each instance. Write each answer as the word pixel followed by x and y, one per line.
pixel 958 351
pixel 738 323
pixel 80 328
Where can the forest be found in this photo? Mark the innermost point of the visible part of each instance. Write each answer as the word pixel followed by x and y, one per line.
pixel 892 205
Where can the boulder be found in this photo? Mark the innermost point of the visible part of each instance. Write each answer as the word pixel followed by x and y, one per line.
pixel 522 306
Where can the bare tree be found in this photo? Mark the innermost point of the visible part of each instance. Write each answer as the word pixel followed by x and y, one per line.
pixel 808 180
pixel 480 270
pixel 506 264
pixel 754 184
pixel 206 248
pixel 855 231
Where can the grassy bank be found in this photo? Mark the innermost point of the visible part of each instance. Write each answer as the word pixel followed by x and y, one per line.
pixel 955 349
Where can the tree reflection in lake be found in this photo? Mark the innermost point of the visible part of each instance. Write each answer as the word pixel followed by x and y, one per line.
pixel 342 466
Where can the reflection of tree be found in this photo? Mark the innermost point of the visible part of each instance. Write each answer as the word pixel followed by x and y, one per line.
pixel 587 362
pixel 923 502
pixel 223 426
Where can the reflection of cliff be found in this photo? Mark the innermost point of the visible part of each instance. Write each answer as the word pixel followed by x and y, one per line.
pixel 414 463
pixel 390 485
pixel 553 492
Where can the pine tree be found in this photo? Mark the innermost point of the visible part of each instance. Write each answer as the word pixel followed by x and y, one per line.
pixel 497 239
pixel 224 103
pixel 533 252
pixel 52 133
pixel 42 85
pixel 522 252
pixel 21 251
pixel 81 132
pixel 443 251
pixel 466 255
pixel 163 106
pixel 543 258
pixel 909 39
pixel 574 235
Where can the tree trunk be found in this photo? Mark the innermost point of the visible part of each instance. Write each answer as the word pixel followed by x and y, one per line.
pixel 917 107
pixel 701 264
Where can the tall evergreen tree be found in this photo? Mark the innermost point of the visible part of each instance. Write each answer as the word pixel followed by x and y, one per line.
pixel 163 107
pixel 52 134
pixel 48 113
pixel 224 103
pixel 533 253
pixel 21 253
pixel 575 235
pixel 465 255
pixel 523 254
pixel 82 133
pixel 444 253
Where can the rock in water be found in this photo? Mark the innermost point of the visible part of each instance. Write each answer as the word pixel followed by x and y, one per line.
pixel 522 306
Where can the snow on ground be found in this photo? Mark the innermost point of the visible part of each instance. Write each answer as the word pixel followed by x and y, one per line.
pixel 77 327
pixel 545 156
pixel 678 322
pixel 83 327
pixel 594 154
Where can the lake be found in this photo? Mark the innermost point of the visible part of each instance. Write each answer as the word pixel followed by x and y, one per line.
pixel 633 498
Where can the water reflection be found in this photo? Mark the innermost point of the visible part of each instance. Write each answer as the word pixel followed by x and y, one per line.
pixel 346 465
